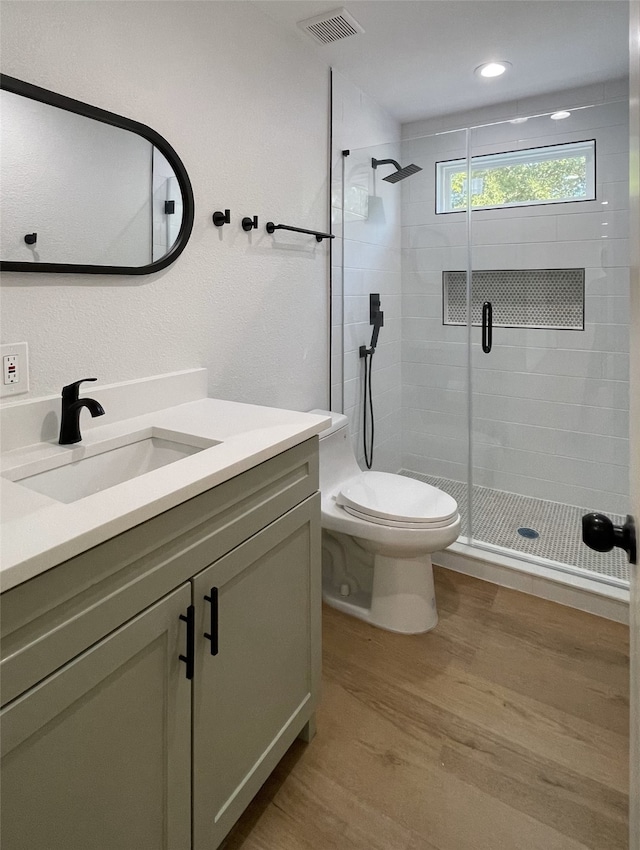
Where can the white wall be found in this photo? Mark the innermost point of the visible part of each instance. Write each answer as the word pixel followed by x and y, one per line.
pixel 372 256
pixel 550 407
pixel 246 107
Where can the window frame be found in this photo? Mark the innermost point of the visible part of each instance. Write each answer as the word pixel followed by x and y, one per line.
pixel 444 168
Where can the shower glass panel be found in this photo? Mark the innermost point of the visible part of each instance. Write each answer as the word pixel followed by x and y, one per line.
pixel 549 400
pixel 435 361
pixel 396 246
pixel 533 433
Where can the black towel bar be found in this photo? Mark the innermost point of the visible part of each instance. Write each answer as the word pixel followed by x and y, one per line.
pixel 319 236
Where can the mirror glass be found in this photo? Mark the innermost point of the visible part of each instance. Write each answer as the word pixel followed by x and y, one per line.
pixel 86 190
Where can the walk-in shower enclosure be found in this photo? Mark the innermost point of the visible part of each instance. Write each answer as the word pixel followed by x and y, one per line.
pixel 533 433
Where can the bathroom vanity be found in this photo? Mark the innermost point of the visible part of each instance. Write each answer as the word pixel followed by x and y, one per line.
pixel 153 680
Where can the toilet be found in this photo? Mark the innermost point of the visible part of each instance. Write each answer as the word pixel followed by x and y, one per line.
pixel 378 533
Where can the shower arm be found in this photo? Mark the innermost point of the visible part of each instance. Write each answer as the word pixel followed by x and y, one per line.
pixel 376 162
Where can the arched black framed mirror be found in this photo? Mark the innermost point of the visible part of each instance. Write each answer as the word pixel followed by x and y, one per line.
pixel 84 190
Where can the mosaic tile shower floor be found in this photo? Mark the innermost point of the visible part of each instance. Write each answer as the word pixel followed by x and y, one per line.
pixel 499 515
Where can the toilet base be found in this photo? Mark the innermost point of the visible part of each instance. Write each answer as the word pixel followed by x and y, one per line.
pixel 402 598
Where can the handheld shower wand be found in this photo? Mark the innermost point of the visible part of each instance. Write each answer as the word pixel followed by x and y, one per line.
pixel 378 322
pixel 376 318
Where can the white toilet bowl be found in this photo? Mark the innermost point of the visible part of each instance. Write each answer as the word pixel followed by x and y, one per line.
pixel 379 531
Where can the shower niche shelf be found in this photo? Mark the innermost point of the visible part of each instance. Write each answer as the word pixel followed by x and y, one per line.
pixel 521 298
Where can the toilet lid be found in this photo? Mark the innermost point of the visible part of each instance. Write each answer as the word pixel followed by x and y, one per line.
pixel 392 523
pixel 389 499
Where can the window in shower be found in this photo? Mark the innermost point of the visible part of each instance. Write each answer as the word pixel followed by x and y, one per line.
pixel 547 175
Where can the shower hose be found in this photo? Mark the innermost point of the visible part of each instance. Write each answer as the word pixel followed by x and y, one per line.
pixel 368 442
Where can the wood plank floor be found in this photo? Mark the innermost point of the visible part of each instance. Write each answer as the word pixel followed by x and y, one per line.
pixel 506 728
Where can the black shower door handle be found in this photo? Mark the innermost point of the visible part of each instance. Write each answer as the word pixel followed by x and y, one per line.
pixel 487 326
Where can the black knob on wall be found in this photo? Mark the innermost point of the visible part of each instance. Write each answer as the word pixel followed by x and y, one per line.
pixel 220 218
pixel 599 533
pixel 250 223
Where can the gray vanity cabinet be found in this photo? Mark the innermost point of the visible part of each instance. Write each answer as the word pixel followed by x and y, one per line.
pixel 95 751
pixel 252 698
pixel 106 743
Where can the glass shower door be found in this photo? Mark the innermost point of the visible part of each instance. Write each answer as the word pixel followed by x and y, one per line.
pixel 435 361
pixel 548 306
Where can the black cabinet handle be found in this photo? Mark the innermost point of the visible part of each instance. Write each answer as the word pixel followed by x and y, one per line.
pixel 212 635
pixel 487 326
pixel 599 533
pixel 189 658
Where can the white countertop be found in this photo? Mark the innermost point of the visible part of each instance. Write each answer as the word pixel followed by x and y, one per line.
pixel 38 532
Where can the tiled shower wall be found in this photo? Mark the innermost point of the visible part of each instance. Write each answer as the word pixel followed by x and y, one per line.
pixel 550 407
pixel 372 258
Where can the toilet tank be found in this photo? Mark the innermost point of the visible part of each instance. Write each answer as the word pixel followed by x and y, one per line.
pixel 337 460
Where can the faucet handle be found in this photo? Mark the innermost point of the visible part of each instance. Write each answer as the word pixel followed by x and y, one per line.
pixel 70 392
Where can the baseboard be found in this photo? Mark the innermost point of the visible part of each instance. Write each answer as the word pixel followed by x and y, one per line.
pixel 583 593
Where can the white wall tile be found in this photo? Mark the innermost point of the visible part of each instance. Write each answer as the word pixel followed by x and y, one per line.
pixel 441 234
pixel 613 168
pixel 521 229
pixel 576 418
pixel 611 223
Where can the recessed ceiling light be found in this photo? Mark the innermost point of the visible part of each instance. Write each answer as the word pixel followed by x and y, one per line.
pixel 558 116
pixel 518 120
pixel 492 69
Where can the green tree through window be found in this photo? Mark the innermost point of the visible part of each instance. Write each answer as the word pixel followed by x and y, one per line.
pixel 536 176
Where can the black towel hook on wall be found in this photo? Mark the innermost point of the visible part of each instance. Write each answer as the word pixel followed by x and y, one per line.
pixel 31 238
pixel 249 223
pixel 220 218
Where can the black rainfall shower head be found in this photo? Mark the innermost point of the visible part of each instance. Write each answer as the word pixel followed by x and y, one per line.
pixel 400 173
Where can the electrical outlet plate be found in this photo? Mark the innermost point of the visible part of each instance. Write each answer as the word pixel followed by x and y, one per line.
pixel 19 351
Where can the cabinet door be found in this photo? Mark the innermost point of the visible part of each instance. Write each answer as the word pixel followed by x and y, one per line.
pixel 97 756
pixel 253 698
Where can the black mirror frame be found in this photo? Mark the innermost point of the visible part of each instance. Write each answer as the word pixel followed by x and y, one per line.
pixel 11 84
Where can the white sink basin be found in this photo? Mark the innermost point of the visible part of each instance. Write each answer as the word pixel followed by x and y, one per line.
pixel 89 470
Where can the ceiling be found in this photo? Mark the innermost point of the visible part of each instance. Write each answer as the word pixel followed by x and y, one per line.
pixel 416 58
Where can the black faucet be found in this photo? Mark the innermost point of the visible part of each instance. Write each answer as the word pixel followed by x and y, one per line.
pixel 71 407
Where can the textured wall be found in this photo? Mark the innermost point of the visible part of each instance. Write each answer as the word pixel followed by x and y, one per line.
pixel 247 108
pixel 550 407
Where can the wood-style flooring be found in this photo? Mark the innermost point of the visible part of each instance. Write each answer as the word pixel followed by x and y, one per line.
pixel 505 728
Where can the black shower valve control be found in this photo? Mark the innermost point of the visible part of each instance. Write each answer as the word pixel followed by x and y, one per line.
pixel 220 218
pixel 249 223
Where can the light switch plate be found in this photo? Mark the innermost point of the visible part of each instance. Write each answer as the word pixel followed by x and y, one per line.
pixel 14 380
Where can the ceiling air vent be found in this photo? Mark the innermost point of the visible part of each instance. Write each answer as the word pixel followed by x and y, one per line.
pixel 331 26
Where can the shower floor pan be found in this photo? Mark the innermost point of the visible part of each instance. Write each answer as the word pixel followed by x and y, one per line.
pixel 497 516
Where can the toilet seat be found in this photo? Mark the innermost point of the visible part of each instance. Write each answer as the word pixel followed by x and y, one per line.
pixel 393 500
